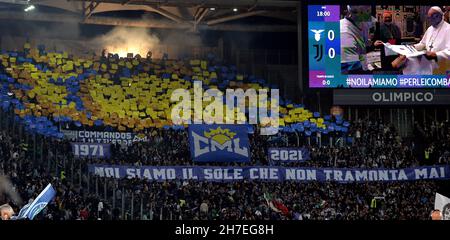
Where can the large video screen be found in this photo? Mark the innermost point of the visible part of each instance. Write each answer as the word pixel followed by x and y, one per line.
pixel 378 46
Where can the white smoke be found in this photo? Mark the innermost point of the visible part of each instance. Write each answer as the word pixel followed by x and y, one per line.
pixel 123 40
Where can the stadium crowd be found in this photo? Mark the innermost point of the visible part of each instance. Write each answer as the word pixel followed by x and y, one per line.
pixel 83 196
pixel 112 93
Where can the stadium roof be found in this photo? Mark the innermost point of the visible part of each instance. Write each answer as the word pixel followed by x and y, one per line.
pixel 230 15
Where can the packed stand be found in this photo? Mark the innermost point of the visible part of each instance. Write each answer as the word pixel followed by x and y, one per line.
pixel 47 91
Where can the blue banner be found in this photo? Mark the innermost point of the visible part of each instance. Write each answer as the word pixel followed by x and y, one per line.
pixel 94 150
pixel 288 155
pixel 269 173
pixel 32 209
pixel 219 143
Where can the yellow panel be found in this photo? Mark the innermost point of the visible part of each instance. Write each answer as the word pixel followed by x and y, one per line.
pixel 204 65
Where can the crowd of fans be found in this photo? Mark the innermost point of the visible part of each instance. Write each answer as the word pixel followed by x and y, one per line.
pixel 246 201
pixel 368 144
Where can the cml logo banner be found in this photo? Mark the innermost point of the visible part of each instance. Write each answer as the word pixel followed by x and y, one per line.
pixel 219 143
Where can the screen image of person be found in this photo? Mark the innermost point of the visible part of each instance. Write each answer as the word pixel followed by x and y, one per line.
pixel 389 31
pixel 436 43
pixel 446 212
pixel 354 38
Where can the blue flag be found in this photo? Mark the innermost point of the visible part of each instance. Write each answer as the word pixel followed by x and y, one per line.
pixel 23 210
pixel 31 210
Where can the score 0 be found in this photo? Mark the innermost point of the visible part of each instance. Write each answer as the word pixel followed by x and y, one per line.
pixel 331 51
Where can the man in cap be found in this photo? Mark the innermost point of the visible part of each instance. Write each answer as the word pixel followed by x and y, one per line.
pixel 436 43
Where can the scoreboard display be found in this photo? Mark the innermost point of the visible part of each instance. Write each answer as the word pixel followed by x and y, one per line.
pixel 348 48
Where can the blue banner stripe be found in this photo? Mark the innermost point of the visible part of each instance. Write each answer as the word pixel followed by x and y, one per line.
pixel 269 173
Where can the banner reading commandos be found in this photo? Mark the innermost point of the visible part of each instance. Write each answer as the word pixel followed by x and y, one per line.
pixel 224 174
pixel 104 137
